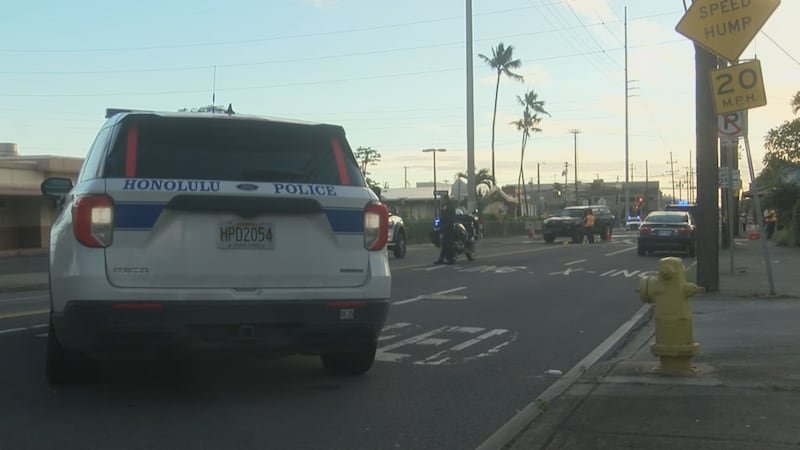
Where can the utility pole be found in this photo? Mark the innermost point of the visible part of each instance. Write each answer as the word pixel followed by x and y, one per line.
pixel 632 169
pixel 471 200
pixel 435 186
pixel 692 186
pixel 707 173
pixel 405 169
pixel 646 186
pixel 625 186
pixel 575 132
pixel 566 171
pixel 671 163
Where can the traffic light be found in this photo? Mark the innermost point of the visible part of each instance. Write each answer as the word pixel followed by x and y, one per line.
pixel 640 199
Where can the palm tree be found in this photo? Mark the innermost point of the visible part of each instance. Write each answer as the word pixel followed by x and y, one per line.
pixel 482 177
pixel 502 61
pixel 528 125
pixel 796 103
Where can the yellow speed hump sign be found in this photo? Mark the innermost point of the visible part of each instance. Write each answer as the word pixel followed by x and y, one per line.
pixel 726 27
pixel 739 87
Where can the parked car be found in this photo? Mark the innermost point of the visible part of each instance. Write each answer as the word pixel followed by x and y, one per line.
pixel 633 223
pixel 667 230
pixel 216 232
pixel 398 237
pixel 569 223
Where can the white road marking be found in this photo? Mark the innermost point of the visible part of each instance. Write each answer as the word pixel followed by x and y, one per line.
pixel 574 262
pixel 12 330
pixel 395 326
pixel 620 251
pixel 463 345
pixel 41 325
pixel 433 341
pixel 384 353
pixel 440 358
pixel 471 330
pixel 567 271
pixel 421 297
pixel 43 335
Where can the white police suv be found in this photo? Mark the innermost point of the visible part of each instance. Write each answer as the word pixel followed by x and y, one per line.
pixel 216 231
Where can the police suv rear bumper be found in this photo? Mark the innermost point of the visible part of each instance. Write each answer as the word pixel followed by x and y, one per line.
pixel 311 327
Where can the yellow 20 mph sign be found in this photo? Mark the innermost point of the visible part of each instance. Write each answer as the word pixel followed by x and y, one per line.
pixel 738 87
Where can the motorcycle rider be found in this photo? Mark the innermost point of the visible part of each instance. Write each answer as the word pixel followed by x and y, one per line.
pixel 447 217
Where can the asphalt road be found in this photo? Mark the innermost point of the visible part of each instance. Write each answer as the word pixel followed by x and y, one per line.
pixel 465 348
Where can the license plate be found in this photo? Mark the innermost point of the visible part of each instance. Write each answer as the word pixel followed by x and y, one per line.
pixel 245 235
pixel 665 233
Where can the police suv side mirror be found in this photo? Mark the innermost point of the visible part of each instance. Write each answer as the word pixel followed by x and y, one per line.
pixel 56 186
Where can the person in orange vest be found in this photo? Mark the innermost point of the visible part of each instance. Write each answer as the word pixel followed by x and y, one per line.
pixel 588 225
pixel 771 220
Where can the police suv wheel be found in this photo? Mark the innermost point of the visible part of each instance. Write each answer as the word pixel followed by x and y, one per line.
pixel 353 363
pixel 549 238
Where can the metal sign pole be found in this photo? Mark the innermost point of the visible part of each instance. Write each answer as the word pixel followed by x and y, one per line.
pixel 759 217
pixel 731 184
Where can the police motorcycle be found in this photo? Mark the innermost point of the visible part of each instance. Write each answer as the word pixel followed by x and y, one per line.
pixel 464 234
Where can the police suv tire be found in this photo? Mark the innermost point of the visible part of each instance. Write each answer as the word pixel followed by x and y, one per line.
pixel 640 250
pixel 64 367
pixel 352 363
pixel 399 249
pixel 549 238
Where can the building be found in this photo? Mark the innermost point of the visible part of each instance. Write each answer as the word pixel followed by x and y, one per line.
pixel 25 214
pixel 417 202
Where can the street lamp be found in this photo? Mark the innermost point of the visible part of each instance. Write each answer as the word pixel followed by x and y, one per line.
pixel 434 151
pixel 575 133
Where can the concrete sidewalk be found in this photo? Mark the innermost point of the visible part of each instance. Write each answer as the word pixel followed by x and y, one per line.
pixel 745 391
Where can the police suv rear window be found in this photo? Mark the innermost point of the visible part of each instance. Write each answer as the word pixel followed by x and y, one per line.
pixel 231 150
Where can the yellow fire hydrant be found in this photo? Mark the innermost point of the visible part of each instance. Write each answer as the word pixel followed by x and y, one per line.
pixel 670 293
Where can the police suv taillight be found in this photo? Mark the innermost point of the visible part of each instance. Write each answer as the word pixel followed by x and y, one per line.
pixel 376 226
pixel 93 220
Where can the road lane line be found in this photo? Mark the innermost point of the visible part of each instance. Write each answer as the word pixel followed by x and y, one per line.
pixel 395 325
pixel 620 251
pixel 35 312
pixel 12 330
pixel 41 325
pixel 574 262
pixel 484 336
pixel 420 297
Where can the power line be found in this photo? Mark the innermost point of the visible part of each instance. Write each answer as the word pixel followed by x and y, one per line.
pixel 781 48
pixel 591 36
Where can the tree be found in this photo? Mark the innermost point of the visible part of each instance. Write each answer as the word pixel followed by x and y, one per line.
pixel 483 177
pixel 527 124
pixel 782 145
pixel 502 61
pixel 368 156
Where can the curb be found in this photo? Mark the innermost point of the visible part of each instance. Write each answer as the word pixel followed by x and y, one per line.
pixel 509 432
pixel 30 287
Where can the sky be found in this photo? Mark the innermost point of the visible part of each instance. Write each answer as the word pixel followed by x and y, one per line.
pixel 392 73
